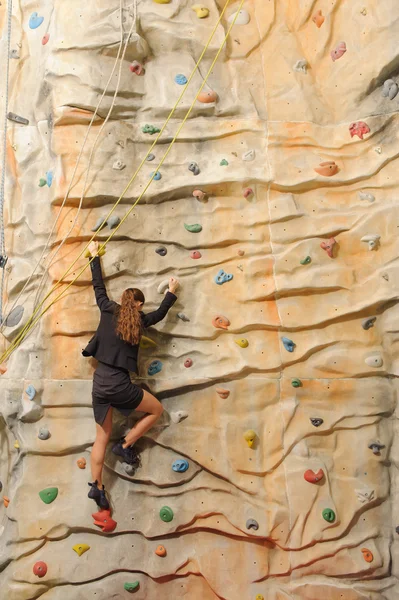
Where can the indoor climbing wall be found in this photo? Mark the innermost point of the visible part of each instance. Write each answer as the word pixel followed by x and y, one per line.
pixel 266 182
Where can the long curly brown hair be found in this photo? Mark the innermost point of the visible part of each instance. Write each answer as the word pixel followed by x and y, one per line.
pixel 128 323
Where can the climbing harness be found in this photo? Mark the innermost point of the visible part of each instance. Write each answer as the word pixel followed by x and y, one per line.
pixel 3 256
pixel 33 320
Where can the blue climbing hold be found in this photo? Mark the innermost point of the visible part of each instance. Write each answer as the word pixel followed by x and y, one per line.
pixel 35 21
pixel 157 175
pixel 30 392
pixel 288 344
pixel 180 466
pixel 49 178
pixel 222 277
pixel 155 367
pixel 181 79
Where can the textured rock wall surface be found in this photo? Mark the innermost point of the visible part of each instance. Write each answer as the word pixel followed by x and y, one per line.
pixel 292 119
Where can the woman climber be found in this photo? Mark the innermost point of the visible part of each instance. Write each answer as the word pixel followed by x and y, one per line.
pixel 115 345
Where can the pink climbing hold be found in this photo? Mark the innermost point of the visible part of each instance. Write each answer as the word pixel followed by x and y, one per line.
pixel 40 568
pixel 195 254
pixel 137 68
pixel 188 363
pixel 220 322
pixel 359 128
pixel 45 39
pixel 207 97
pixel 338 51
pixel 223 393
pixel 200 195
pixel 248 192
pixel 103 519
pixel 329 246
pixel 313 477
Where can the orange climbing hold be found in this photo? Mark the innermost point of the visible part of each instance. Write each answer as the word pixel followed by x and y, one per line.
pixel 313 477
pixel 318 18
pixel 367 555
pixel 220 322
pixel 207 97
pixel 6 501
pixel 223 393
pixel 327 168
pixel 160 551
pixel 81 462
pixel 103 519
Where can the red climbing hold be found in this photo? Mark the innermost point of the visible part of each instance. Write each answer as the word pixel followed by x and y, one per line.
pixel 103 519
pixel 359 128
pixel 188 363
pixel 329 246
pixel 313 477
pixel 195 254
pixel 40 568
pixel 137 68
pixel 248 192
pixel 45 39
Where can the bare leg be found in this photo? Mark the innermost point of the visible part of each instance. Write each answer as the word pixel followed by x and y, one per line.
pixel 103 433
pixel 154 408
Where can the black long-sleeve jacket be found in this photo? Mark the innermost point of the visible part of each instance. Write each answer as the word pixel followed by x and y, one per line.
pixel 106 345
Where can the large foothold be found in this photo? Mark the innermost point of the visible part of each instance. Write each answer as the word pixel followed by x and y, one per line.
pixel 160 551
pixel 134 586
pixel 328 515
pixel 318 18
pixel 372 239
pixel 194 168
pixel 242 342
pixel 48 495
pixel 366 196
pixel 247 192
pixel 40 568
pixel 178 416
pixel 81 462
pixel 17 118
pixel 188 363
pixel 195 228
pixel 252 524
pixel 150 129
pixel 288 344
pixel 195 254
pixel 359 128
pixel 166 514
pixel 100 223
pixel 306 261
pixel 313 477
pixel 156 175
pixel 223 393
pixel 154 367
pixel 181 79
pixel 80 548
pixel 30 391
pixel 243 17
pixel 301 66
pixel 180 466
pixel 201 11
pixel 162 251
pixel 45 39
pixel 374 360
pixel 103 519
pixel 329 246
pixel 249 437
pixel 223 277
pixel 367 555
pixel 249 155
pixel 368 323
pixel 376 447
pixel 35 21
pixel 163 286
pixel 199 195
pixel 183 317
pixel 327 168
pixel 316 422
pixel 296 383
pixel 14 317
pixel 137 68
pixel 338 51
pixel 207 97
pixel 44 433
pixel 220 322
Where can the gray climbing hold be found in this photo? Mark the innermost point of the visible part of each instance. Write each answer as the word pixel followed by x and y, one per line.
pixel 14 317
pixel 366 196
pixel 393 91
pixel 178 416
pixel 113 221
pixel 376 447
pixel 372 239
pixel 223 277
pixel 182 317
pixel 44 433
pixel 14 53
pixel 118 165
pixel 163 286
pixel 100 223
pixel 289 345
pixel 368 323
pixel 1 486
pixel 180 466
pixel 161 251
pixel 386 87
pixel 129 469
pixel 301 66
pixel 316 421
pixel 249 155
pixel 194 168
pixel 252 524
pixel 154 367
pixel 17 119
pixel 30 392
pixel 150 157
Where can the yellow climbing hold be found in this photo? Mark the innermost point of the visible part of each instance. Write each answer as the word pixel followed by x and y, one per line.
pixel 101 252
pixel 146 342
pixel 16 444
pixel 250 436
pixel 201 11
pixel 162 1
pixel 80 548
pixel 259 597
pixel 242 342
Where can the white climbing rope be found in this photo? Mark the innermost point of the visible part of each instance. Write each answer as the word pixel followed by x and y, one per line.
pixel 4 157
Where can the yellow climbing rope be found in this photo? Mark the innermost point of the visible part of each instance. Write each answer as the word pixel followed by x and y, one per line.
pixel 33 320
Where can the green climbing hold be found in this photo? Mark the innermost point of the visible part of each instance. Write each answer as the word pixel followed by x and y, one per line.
pixel 150 129
pixel 223 163
pixel 49 495
pixel 296 383
pixel 132 587
pixel 196 228
pixel 306 261
pixel 166 514
pixel 328 515
pixel 42 182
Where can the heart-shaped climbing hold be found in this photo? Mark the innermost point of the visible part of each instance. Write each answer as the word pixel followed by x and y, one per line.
pixel 313 477
pixel 35 21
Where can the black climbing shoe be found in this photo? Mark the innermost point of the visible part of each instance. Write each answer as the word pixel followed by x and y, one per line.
pixel 98 495
pixel 128 454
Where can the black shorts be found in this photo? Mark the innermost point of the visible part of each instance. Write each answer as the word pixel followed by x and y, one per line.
pixel 112 387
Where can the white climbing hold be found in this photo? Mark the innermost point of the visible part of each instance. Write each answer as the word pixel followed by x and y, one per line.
pixel 163 286
pixel 374 360
pixel 366 196
pixel 249 155
pixel 242 19
pixel 182 317
pixel 372 240
pixel 14 317
pixel 30 411
pixel 113 221
pixel 118 165
pixel 365 495
pixel 178 416
pixel 301 66
pixel 100 223
pixel 378 150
